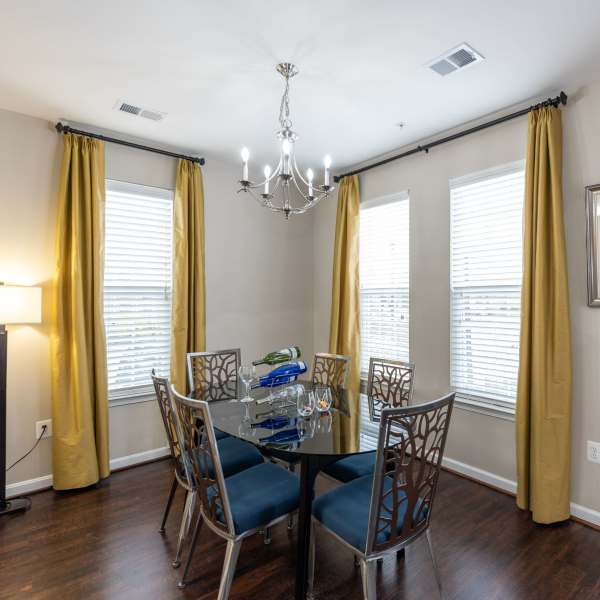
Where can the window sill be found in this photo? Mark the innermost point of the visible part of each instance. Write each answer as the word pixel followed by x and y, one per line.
pixel 482 407
pixel 124 401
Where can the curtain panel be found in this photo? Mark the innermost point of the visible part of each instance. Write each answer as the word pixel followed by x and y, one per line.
pixel 188 325
pixel 543 413
pixel 78 348
pixel 344 332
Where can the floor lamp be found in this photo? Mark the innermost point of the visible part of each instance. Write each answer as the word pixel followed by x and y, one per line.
pixel 18 304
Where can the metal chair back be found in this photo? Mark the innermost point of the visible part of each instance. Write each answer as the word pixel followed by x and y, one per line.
pixel 165 404
pixel 409 456
pixel 331 369
pixel 390 383
pixel 199 444
pixel 214 375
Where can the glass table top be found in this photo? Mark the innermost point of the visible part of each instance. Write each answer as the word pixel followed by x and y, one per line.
pixel 271 420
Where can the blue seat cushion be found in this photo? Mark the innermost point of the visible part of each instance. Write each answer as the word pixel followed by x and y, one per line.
pixel 345 511
pixel 259 495
pixel 220 434
pixel 352 467
pixel 235 456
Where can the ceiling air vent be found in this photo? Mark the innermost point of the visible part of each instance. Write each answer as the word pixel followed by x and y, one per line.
pixel 138 111
pixel 129 108
pixel 458 58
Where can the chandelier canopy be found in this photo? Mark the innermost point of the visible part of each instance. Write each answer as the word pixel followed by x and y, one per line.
pixel 278 184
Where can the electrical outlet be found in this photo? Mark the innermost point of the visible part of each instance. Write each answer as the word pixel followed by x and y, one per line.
pixel 38 429
pixel 593 449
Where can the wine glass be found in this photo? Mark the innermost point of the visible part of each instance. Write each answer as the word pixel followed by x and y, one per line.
pixel 247 374
pixel 323 398
pixel 305 402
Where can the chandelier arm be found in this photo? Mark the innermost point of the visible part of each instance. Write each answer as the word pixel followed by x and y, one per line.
pixel 304 181
pixel 259 199
pixel 305 196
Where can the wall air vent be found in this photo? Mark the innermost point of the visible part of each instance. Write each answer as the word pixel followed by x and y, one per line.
pixel 455 59
pixel 138 111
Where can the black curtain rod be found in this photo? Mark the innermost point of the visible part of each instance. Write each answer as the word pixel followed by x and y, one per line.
pixel 66 129
pixel 560 99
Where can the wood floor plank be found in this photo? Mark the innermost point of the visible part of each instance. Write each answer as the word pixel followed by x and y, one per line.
pixel 103 544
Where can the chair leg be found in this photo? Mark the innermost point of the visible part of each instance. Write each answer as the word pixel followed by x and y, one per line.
pixel 188 509
pixel 197 529
pixel 168 506
pixel 401 554
pixel 267 536
pixel 231 555
pixel 356 560
pixel 311 564
pixel 435 565
pixel 368 571
pixel 290 521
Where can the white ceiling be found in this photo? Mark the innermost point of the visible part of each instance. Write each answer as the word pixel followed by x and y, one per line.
pixel 210 66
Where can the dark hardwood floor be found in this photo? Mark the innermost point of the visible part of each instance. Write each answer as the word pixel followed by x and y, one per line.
pixel 103 543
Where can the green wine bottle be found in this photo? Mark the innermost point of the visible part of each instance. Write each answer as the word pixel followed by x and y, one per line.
pixel 281 356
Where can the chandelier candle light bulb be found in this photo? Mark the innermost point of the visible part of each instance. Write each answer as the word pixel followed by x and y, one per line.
pixel 286 149
pixel 286 175
pixel 327 163
pixel 267 173
pixel 309 176
pixel 245 157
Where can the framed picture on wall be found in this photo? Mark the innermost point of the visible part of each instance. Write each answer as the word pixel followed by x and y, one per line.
pixel 592 211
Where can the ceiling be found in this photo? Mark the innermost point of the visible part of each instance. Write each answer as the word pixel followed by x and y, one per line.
pixel 210 66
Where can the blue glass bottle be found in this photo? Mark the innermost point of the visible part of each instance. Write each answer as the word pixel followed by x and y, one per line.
pixel 283 374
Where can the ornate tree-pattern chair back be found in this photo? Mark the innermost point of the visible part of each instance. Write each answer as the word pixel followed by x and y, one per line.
pixel 390 383
pixel 163 398
pixel 331 369
pixel 214 375
pixel 199 445
pixel 409 455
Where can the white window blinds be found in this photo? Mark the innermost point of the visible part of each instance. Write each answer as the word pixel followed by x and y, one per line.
pixel 137 286
pixel 485 280
pixel 384 278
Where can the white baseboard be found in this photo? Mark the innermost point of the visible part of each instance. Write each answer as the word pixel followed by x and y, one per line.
pixel 45 482
pixel 589 515
pixel 138 458
pixel 30 485
pixel 480 475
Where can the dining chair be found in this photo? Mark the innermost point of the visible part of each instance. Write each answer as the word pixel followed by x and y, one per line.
pixel 233 507
pixel 236 455
pixel 384 512
pixel 214 375
pixel 331 369
pixel 389 384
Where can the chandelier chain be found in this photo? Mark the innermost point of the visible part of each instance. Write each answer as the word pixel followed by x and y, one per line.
pixel 284 108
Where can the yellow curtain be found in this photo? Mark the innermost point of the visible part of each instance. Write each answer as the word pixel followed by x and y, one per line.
pixel 344 332
pixel 544 389
pixel 188 320
pixel 78 349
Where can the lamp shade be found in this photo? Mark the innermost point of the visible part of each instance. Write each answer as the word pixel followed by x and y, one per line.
pixel 20 304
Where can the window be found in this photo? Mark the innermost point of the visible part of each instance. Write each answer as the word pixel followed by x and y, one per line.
pixel 384 286
pixel 485 280
pixel 137 287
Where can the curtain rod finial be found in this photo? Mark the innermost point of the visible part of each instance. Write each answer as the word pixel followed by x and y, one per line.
pixel 563 98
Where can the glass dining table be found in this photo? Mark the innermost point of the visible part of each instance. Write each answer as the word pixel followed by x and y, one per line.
pixel 271 422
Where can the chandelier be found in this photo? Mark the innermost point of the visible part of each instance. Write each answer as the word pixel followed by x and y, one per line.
pixel 277 186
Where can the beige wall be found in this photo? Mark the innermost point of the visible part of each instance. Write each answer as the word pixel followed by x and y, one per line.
pixel 258 278
pixel 483 441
